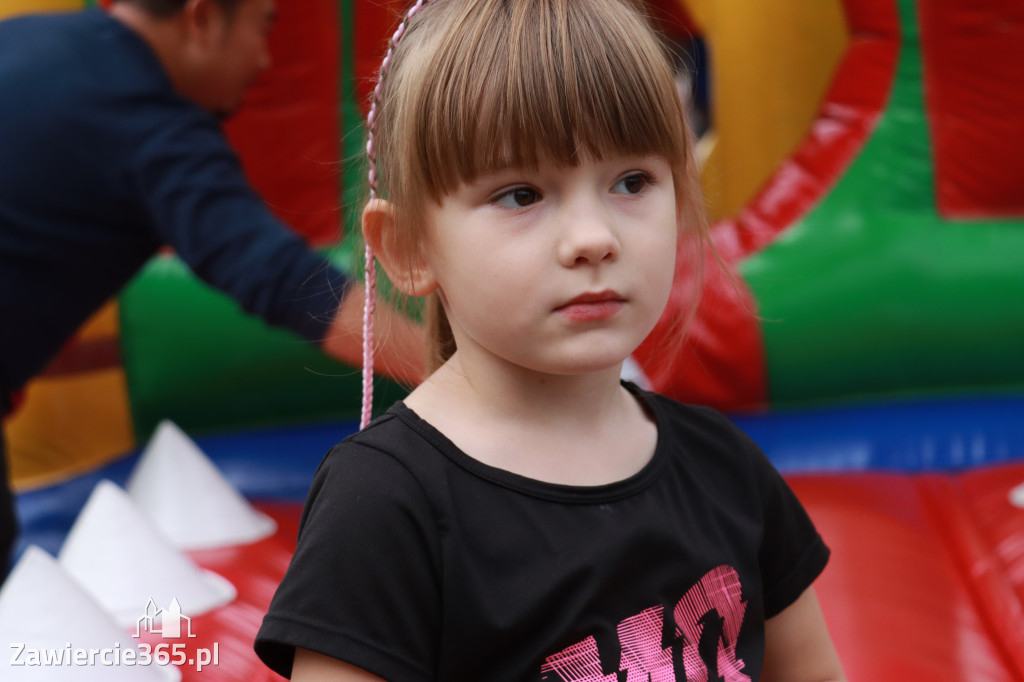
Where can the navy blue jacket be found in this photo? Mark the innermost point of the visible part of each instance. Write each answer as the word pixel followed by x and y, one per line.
pixel 101 164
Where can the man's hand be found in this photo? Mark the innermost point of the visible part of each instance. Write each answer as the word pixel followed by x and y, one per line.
pixel 399 343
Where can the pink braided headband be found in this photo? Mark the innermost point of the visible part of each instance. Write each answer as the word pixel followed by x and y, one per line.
pixel 371 267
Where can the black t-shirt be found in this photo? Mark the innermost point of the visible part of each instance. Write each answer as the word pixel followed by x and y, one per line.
pixel 416 562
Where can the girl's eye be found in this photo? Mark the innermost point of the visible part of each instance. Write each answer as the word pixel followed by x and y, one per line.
pixel 633 183
pixel 517 197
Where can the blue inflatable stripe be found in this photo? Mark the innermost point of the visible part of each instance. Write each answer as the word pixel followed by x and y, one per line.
pixel 939 435
pixel 936 435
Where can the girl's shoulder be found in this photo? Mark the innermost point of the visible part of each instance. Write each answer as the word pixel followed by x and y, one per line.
pixel 393 457
pixel 384 449
pixel 387 433
pixel 370 483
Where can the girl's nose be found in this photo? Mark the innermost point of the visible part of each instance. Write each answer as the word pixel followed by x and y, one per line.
pixel 588 238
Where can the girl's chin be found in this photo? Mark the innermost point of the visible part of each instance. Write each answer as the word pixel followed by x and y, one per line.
pixel 585 367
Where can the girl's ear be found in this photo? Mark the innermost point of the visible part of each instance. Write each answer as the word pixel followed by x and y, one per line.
pixel 409 272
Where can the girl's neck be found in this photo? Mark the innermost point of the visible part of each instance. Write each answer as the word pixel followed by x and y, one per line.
pixel 504 391
pixel 580 429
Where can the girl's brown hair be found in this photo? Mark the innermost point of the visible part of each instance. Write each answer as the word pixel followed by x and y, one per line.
pixel 473 86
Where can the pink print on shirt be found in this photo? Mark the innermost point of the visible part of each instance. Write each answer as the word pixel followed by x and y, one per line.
pixel 717 594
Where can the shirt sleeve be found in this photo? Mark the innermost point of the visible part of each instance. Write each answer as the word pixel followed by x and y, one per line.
pixel 363 585
pixel 792 553
pixel 200 203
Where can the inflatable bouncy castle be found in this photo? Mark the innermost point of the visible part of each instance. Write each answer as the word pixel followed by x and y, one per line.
pixel 863 322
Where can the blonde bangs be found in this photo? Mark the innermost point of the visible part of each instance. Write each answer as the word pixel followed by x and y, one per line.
pixel 500 83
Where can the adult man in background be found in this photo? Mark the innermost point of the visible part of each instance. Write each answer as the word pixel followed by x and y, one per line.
pixel 110 148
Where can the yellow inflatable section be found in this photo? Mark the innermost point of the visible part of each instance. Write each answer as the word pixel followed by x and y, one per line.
pixel 9 8
pixel 90 405
pixel 771 63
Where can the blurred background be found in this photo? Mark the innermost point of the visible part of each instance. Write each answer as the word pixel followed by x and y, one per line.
pixel 864 321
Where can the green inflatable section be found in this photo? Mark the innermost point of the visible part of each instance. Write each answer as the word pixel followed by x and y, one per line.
pixel 873 293
pixel 193 356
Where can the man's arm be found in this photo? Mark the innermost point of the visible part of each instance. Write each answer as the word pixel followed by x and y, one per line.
pixel 199 202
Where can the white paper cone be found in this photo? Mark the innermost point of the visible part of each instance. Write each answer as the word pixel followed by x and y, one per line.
pixel 186 496
pixel 43 610
pixel 120 558
pixel 1017 496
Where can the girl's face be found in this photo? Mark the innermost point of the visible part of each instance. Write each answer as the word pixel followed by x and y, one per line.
pixel 556 270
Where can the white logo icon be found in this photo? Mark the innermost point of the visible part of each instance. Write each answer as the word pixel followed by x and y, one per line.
pixel 170 621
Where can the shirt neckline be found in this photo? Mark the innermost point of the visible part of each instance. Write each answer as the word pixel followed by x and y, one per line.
pixel 558 492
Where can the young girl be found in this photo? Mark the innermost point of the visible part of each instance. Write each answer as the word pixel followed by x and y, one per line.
pixel 523 514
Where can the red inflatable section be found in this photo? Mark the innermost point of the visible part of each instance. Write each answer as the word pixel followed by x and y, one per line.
pixel 719 359
pixel 927 573
pixel 926 580
pixel 287 133
pixel 723 361
pixel 973 57
pixel 373 24
pixel 255 570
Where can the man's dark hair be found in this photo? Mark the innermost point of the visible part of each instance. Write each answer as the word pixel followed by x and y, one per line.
pixel 168 8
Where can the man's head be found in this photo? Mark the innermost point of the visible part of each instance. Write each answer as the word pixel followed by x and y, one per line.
pixel 212 49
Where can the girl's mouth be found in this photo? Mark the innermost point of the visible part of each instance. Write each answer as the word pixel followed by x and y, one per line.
pixel 590 307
